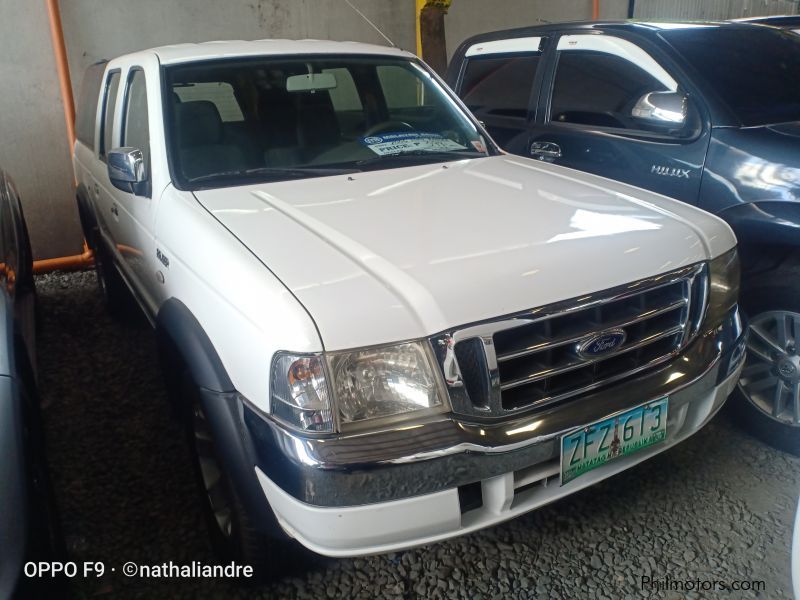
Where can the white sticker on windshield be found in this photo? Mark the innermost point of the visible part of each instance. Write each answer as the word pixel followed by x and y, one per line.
pixel 400 142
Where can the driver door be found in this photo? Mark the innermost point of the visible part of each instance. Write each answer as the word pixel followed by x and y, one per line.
pixel 590 116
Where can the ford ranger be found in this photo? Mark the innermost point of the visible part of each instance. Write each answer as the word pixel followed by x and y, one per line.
pixel 382 330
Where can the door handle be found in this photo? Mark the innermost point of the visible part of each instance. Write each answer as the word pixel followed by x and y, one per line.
pixel 542 150
pixel 114 210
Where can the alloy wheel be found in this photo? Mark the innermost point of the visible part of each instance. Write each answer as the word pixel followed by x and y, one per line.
pixel 211 472
pixel 771 376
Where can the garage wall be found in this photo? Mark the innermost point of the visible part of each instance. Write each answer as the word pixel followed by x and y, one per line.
pixel 712 9
pixel 33 146
pixel 469 17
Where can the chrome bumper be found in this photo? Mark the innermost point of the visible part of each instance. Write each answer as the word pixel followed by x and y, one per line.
pixel 448 452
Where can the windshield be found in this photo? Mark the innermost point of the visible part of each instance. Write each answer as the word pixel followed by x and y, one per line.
pixel 754 70
pixel 245 121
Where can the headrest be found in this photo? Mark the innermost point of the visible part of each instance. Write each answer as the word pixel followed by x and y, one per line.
pixel 317 124
pixel 199 123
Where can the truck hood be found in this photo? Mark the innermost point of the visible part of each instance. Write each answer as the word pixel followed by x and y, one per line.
pixel 403 253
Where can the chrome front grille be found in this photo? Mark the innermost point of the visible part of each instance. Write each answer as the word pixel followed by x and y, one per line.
pixel 534 359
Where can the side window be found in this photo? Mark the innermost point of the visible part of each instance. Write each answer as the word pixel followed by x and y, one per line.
pixel 401 88
pixel 499 85
pixel 220 93
pixel 136 128
pixel 599 80
pixel 344 96
pixel 110 100
pixel 87 104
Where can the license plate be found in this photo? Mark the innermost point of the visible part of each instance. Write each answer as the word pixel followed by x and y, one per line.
pixel 602 441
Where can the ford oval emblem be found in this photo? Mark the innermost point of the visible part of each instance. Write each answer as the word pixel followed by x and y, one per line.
pixel 600 344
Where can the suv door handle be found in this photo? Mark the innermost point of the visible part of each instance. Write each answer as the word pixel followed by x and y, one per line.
pixel 114 210
pixel 542 150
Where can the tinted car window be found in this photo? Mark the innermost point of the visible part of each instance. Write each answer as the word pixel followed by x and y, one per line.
pixel 87 104
pixel 112 86
pixel 754 70
pixel 137 129
pixel 312 116
pixel 499 86
pixel 599 88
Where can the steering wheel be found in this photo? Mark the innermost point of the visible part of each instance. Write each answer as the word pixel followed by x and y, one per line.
pixel 385 126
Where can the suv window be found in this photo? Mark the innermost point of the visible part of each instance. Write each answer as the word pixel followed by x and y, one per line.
pixel 109 101
pixel 499 86
pixel 219 92
pixel 599 80
pixel 87 103
pixel 136 132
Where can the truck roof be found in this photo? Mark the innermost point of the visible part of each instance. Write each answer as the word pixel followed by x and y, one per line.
pixel 179 53
pixel 629 25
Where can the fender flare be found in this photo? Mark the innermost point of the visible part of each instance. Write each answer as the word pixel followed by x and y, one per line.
pixel 176 324
pixel 766 222
pixel 184 344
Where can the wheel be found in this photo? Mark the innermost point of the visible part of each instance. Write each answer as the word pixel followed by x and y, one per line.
pixel 115 292
pixel 233 537
pixel 767 397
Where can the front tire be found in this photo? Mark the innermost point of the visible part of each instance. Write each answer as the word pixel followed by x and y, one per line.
pixel 766 400
pixel 233 536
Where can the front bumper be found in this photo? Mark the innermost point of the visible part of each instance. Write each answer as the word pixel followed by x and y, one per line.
pixel 416 484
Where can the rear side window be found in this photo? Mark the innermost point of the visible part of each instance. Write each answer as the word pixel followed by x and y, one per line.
pixel 345 95
pixel 400 87
pixel 218 92
pixel 499 86
pixel 87 104
pixel 109 102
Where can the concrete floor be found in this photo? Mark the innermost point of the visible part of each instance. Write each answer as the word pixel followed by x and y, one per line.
pixel 717 507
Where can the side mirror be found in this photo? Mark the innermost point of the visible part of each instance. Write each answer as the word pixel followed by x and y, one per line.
pixel 127 170
pixel 661 108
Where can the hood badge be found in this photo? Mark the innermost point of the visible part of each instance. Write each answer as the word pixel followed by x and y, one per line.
pixel 601 344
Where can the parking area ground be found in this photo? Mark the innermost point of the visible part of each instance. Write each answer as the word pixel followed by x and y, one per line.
pixel 717 508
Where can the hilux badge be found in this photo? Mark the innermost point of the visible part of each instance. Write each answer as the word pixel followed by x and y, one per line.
pixel 605 342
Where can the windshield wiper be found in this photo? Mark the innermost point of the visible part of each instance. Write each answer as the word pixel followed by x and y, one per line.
pixel 415 155
pixel 278 172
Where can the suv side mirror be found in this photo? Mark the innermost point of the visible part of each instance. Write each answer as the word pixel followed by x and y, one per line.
pixel 127 170
pixel 661 108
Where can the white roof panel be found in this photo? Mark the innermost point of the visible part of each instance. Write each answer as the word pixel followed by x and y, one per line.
pixel 179 53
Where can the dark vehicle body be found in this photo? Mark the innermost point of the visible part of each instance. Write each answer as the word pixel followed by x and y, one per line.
pixel 708 113
pixel 783 21
pixel 28 527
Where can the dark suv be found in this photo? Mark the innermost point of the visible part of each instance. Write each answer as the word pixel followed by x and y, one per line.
pixel 708 113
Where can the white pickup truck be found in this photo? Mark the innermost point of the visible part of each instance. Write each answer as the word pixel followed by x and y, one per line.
pixel 383 330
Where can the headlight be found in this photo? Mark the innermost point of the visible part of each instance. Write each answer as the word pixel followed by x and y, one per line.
pixel 372 383
pixel 723 285
pixel 387 381
pixel 300 392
